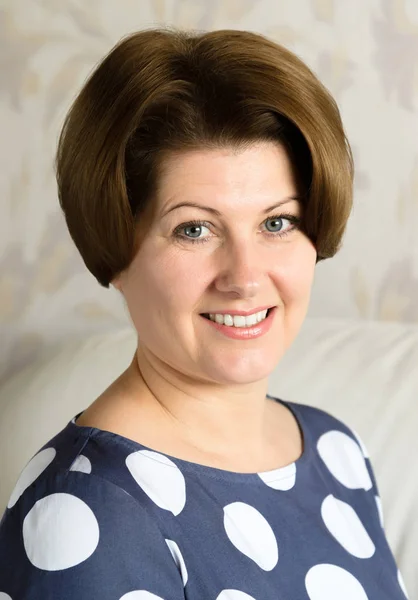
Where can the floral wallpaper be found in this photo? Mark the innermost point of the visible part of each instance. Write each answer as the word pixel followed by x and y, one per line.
pixel 365 52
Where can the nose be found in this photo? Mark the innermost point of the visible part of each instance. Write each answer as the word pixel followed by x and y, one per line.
pixel 240 270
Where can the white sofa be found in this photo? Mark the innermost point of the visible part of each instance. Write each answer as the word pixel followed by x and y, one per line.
pixel 362 372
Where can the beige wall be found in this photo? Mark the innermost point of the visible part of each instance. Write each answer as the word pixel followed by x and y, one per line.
pixel 365 52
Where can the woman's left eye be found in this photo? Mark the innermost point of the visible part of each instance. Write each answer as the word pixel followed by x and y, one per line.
pixel 279 225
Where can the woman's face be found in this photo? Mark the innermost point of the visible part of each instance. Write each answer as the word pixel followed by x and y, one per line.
pixel 238 255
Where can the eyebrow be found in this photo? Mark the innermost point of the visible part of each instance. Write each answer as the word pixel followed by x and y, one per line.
pixel 216 212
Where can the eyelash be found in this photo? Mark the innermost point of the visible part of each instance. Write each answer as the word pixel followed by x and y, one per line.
pixel 281 234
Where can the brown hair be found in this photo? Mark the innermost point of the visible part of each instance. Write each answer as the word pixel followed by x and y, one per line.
pixel 164 90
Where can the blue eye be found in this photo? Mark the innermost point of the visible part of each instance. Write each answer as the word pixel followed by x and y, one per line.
pixel 192 231
pixel 282 225
pixel 277 224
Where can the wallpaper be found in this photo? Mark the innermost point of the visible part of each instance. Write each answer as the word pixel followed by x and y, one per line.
pixel 365 53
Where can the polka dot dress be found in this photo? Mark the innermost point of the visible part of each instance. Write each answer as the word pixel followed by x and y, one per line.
pixel 96 515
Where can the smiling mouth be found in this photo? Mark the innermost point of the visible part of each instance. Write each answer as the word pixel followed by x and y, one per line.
pixel 206 315
pixel 238 321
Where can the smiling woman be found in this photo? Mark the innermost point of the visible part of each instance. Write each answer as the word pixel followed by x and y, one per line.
pixel 203 175
pixel 236 250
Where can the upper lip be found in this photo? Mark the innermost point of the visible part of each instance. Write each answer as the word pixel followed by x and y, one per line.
pixel 245 313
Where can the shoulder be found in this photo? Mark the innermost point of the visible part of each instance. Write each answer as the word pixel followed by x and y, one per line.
pixel 335 442
pixel 104 471
pixel 72 479
pixel 63 518
pixel 87 461
pixel 320 422
pixel 339 447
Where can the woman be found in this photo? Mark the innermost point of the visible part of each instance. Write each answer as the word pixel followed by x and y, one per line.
pixel 204 176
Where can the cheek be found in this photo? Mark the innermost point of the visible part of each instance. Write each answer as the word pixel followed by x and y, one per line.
pixel 168 282
pixel 297 274
pixel 297 291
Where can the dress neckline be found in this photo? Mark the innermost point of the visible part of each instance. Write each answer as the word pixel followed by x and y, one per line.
pixel 280 474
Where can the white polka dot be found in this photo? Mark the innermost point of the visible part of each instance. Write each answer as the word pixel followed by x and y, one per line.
pixel 140 595
pixel 280 479
pixel 178 559
pixel 59 532
pixel 402 584
pixel 379 510
pixel 343 522
pixel 82 464
pixel 361 444
pixel 328 582
pixel 160 479
pixel 4 596
pixel 31 472
pixel 234 595
pixel 343 457
pixel 250 532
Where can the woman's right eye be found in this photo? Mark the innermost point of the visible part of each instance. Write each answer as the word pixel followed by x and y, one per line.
pixel 192 231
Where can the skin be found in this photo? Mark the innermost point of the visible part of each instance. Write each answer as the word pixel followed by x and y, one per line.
pixel 200 390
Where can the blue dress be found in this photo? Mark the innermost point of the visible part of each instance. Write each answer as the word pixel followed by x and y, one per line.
pixel 95 515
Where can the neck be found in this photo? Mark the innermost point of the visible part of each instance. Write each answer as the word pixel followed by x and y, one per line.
pixel 203 414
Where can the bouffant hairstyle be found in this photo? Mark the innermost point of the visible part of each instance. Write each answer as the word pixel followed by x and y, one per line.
pixel 163 90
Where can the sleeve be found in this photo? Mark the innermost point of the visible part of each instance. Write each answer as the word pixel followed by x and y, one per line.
pixel 379 509
pixel 78 537
pixel 371 473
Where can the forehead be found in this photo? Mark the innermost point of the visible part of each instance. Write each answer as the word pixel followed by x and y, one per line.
pixel 262 170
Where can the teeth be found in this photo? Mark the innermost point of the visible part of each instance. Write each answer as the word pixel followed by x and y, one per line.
pixel 228 320
pixel 239 320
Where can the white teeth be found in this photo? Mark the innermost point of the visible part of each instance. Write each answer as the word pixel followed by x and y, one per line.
pixel 252 320
pixel 239 320
pixel 228 320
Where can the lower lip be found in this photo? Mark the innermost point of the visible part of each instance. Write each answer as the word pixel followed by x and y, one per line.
pixel 245 333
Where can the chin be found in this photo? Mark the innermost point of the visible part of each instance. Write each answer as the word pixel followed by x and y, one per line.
pixel 244 369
